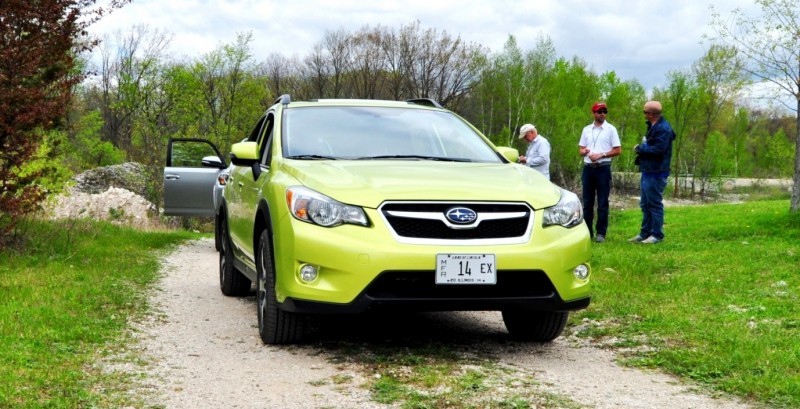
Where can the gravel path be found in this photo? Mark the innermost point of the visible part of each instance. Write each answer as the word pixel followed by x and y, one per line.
pixel 204 351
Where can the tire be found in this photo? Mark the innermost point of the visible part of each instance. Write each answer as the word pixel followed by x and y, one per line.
pixel 231 282
pixel 274 326
pixel 536 326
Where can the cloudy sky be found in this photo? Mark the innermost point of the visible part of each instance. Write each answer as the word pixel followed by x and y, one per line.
pixel 640 40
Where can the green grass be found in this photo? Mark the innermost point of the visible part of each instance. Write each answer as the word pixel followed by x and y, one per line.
pixel 66 297
pixel 717 302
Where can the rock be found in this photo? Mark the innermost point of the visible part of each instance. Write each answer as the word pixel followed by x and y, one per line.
pixel 114 193
pixel 129 176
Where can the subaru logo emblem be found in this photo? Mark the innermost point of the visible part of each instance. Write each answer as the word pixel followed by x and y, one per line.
pixel 461 215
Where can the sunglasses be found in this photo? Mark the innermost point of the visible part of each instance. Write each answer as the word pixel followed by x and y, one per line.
pixel 601 111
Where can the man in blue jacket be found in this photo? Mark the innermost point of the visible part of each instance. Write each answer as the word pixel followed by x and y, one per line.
pixel 653 156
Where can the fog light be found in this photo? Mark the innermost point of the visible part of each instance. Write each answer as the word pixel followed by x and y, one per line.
pixel 581 272
pixel 308 273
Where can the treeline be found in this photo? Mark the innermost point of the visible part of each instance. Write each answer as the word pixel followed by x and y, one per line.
pixel 139 96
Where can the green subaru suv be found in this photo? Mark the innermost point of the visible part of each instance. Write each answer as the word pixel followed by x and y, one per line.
pixel 345 206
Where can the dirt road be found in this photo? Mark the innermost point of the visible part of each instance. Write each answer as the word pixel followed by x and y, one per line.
pixel 204 352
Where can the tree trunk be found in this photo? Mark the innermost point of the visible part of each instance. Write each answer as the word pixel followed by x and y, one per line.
pixel 795 202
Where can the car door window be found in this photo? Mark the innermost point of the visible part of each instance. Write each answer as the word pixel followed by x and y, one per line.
pixel 256 132
pixel 266 140
pixel 189 153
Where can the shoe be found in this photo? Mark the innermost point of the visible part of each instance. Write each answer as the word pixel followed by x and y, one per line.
pixel 651 240
pixel 637 239
pixel 600 238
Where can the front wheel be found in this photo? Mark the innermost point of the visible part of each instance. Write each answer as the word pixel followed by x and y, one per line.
pixel 274 326
pixel 536 326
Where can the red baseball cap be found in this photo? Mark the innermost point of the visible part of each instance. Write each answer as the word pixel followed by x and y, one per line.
pixel 598 105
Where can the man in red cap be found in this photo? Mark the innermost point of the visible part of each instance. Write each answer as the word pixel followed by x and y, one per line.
pixel 599 143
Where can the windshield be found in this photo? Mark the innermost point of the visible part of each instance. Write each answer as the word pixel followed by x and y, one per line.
pixel 371 133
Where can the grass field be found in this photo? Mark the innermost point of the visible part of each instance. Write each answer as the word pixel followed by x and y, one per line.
pixel 718 301
pixel 65 300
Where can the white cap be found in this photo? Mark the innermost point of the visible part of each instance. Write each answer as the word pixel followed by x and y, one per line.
pixel 525 129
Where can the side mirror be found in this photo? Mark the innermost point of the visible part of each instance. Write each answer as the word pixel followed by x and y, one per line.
pixel 213 162
pixel 244 153
pixel 511 154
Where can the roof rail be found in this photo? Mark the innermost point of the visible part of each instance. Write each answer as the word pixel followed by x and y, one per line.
pixel 424 101
pixel 284 99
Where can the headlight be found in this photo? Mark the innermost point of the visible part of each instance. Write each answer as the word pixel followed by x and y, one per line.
pixel 312 207
pixel 568 212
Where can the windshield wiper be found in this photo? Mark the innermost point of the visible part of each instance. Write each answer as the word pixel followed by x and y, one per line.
pixel 420 157
pixel 312 157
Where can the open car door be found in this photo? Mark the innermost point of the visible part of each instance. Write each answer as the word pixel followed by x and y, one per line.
pixel 190 177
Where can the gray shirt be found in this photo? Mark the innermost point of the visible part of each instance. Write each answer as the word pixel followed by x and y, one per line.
pixel 538 155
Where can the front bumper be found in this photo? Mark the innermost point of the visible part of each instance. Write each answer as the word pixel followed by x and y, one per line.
pixel 362 268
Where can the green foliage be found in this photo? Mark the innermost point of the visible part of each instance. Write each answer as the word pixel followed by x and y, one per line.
pixel 51 176
pixel 777 158
pixel 718 156
pixel 85 150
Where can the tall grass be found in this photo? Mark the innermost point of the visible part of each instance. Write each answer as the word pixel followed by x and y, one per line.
pixel 66 295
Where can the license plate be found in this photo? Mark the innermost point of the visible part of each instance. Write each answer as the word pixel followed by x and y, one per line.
pixel 465 269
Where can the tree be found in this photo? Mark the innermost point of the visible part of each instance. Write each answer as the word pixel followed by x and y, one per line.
pixel 719 78
pixel 282 75
pixel 770 44
pixel 231 96
pixel 438 66
pixel 680 99
pixel 39 41
pixel 129 71
pixel 369 65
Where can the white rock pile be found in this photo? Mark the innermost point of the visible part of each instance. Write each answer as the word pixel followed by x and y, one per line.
pixel 117 205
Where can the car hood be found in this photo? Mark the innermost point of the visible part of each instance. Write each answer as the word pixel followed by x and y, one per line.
pixel 369 183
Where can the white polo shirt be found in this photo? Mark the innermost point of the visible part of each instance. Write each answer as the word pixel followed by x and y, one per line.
pixel 599 139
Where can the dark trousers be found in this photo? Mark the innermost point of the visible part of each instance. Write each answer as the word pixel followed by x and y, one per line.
pixel 652 203
pixel 596 184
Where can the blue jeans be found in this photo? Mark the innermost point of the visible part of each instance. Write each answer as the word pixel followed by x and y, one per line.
pixel 652 203
pixel 596 182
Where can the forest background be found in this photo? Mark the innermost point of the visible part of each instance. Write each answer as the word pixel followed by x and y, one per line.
pixel 134 97
pixel 140 97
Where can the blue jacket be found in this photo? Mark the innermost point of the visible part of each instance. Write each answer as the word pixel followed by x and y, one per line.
pixel 655 154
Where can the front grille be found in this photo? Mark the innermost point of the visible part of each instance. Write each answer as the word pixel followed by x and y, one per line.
pixel 434 229
pixel 503 220
pixel 394 285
